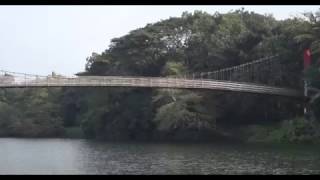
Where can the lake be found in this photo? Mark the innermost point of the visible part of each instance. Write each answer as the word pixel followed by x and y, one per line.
pixel 79 156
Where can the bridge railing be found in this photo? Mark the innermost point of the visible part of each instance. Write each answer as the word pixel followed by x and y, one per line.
pixel 23 80
pixel 29 79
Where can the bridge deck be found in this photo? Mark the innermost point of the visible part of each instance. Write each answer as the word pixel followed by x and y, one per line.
pixel 106 81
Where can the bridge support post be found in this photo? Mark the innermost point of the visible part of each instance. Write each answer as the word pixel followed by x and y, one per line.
pixel 305 108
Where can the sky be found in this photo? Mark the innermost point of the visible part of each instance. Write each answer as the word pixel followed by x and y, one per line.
pixel 43 39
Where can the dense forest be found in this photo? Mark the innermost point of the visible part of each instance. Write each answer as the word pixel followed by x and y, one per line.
pixel 194 42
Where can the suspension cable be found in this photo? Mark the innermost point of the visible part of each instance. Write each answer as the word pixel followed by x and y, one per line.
pixel 240 66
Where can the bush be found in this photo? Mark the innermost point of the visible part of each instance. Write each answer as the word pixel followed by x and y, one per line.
pixel 73 132
pixel 256 133
pixel 298 130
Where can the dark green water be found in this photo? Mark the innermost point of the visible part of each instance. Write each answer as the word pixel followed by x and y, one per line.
pixel 69 156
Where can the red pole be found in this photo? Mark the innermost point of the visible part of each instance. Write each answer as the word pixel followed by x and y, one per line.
pixel 306 63
pixel 307 58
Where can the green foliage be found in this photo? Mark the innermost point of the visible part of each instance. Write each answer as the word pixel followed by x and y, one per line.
pixel 313 76
pixel 298 130
pixel 186 111
pixel 30 113
pixel 174 68
pixel 74 132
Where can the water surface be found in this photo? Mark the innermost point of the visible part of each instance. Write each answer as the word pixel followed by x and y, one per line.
pixel 70 156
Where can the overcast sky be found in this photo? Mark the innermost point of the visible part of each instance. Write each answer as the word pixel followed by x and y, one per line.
pixel 42 39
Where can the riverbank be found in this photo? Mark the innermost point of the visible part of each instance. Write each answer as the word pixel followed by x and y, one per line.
pixel 67 132
pixel 74 133
pixel 293 131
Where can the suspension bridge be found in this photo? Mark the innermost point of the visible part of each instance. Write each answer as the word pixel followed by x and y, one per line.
pixel 239 78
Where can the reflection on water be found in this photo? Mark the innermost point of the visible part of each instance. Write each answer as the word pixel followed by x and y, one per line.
pixel 67 156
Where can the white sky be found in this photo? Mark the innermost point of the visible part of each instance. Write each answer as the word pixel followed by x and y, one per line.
pixel 42 39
